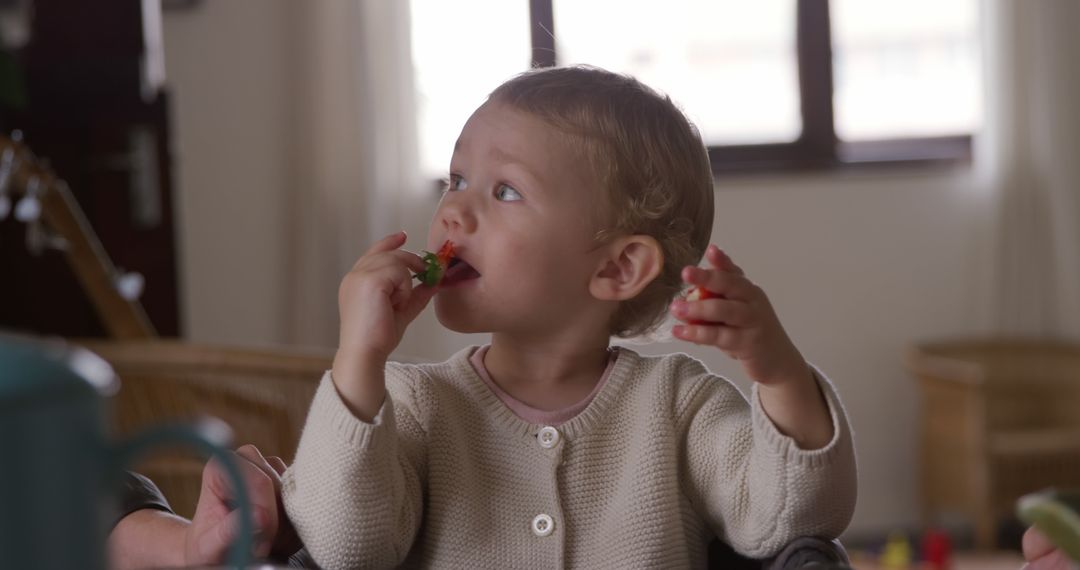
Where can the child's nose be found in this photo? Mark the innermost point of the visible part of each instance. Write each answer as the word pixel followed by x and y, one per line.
pixel 458 217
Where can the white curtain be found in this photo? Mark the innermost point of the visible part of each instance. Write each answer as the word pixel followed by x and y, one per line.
pixel 355 149
pixel 1031 155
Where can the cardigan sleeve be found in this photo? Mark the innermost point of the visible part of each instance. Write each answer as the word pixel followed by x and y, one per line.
pixel 753 484
pixel 354 492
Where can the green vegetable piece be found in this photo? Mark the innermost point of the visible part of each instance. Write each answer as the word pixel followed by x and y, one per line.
pixel 1056 515
pixel 436 264
pixel 433 273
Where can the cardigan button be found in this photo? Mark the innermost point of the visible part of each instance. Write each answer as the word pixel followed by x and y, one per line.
pixel 543 525
pixel 548 437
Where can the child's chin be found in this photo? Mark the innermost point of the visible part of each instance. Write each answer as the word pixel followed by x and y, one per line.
pixel 456 318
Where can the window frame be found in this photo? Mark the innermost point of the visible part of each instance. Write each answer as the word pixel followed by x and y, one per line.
pixel 817 147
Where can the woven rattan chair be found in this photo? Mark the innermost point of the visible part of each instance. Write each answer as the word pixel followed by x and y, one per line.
pixel 263 394
pixel 1000 418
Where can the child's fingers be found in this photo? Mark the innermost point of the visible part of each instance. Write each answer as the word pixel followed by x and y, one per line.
pixel 409 298
pixel 720 282
pixel 712 335
pixel 415 303
pixel 410 259
pixel 389 261
pixel 715 310
pixel 388 243
pixel 403 286
pixel 721 260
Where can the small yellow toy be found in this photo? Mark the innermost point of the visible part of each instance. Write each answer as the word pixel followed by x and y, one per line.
pixel 897 553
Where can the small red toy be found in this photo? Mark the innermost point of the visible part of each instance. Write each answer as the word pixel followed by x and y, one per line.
pixel 936 549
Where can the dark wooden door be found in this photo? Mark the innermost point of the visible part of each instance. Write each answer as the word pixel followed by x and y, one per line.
pixel 95 113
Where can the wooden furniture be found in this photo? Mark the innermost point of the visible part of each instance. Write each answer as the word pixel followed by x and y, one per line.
pixel 1000 418
pixel 263 394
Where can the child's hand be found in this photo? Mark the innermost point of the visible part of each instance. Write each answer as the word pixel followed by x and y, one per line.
pixel 738 319
pixel 377 300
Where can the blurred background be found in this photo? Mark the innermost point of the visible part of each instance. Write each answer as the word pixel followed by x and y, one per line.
pixel 891 173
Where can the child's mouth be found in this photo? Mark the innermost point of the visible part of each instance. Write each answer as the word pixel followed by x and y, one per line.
pixel 457 272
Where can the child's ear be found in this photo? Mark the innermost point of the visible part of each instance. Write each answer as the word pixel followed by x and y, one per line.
pixel 632 262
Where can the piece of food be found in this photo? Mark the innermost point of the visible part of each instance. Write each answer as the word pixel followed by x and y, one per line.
pixel 700 294
pixel 437 263
pixel 1056 515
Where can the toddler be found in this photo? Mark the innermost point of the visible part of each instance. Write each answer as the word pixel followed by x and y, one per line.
pixel 579 204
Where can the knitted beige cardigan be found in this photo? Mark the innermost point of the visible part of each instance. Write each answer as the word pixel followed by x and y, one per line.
pixel 665 457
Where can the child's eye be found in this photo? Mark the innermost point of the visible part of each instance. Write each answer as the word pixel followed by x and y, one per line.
pixel 507 194
pixel 456 183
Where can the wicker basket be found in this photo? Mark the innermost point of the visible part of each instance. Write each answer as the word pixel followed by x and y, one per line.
pixel 263 394
pixel 1000 418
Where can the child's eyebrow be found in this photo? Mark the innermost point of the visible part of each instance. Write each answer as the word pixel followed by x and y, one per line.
pixel 496 153
pixel 504 157
pixel 507 159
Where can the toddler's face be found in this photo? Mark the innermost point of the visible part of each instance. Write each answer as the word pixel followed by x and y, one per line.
pixel 521 210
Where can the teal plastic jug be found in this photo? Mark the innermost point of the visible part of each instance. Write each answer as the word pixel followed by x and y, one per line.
pixel 59 472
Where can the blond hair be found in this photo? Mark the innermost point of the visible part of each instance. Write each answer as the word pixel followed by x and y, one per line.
pixel 648 157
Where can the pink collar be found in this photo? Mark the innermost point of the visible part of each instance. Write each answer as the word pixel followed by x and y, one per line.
pixel 529 413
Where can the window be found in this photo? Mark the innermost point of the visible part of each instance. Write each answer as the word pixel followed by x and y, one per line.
pixel 736 77
pixel 898 73
pixel 461 51
pixel 772 84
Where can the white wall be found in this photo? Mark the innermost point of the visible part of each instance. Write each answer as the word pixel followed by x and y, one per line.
pixel 227 70
pixel 859 265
